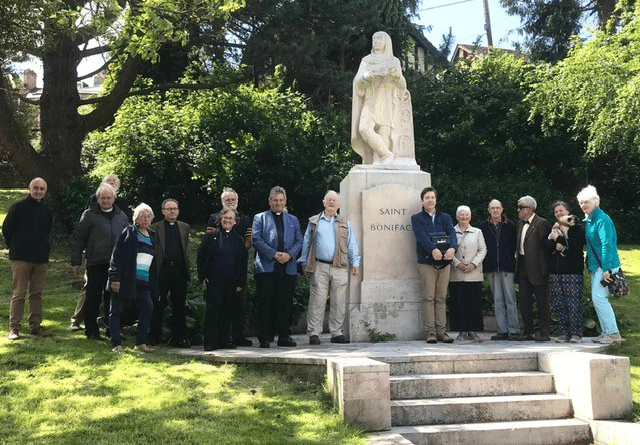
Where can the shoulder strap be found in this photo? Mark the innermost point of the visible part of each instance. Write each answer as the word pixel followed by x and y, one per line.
pixel 594 253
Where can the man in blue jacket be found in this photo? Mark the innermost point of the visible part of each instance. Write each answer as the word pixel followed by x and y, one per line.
pixel 500 267
pixel 277 239
pixel 436 244
pixel 26 231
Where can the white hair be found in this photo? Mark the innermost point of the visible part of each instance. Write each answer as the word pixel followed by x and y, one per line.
pixel 528 201
pixel 462 209
pixel 142 208
pixel 105 187
pixel 589 193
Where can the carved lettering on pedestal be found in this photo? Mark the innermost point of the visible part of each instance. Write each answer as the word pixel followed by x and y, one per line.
pixel 391 227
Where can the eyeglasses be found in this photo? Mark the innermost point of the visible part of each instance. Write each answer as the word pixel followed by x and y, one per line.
pixel 171 209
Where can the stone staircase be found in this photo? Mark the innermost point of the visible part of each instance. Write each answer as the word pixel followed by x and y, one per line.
pixel 479 399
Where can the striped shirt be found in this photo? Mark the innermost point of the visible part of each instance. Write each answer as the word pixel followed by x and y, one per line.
pixel 146 252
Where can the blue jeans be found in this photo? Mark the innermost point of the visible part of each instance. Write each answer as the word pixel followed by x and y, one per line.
pixel 503 288
pixel 145 309
pixel 599 295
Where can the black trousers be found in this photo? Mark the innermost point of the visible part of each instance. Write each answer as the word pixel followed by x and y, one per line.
pixel 172 285
pixel 237 323
pixel 526 299
pixel 223 306
pixel 274 291
pixel 96 292
pixel 465 306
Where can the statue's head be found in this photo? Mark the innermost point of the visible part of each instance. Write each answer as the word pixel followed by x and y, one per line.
pixel 381 44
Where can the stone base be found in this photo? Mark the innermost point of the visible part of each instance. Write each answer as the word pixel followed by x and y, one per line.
pixel 379 202
pixel 388 306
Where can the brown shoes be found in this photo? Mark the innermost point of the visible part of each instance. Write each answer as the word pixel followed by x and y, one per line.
pixel 432 338
pixel 444 338
pixel 39 332
pixel 144 348
pixel 14 334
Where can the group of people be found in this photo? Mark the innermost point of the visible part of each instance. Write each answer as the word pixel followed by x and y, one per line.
pixel 146 266
pixel 545 260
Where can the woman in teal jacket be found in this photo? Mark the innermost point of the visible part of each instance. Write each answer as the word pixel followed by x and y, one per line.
pixel 602 261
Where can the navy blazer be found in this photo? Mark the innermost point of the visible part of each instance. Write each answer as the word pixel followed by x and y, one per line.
pixel 265 241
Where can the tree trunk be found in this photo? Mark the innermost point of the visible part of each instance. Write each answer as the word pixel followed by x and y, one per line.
pixel 58 159
pixel 62 134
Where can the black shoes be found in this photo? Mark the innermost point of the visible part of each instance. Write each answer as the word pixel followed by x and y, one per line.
pixel 264 344
pixel 540 337
pixel 524 337
pixel 286 341
pixel 339 339
pixel 500 336
pixel 242 342
pixel 314 340
pixel 179 343
pixel 95 337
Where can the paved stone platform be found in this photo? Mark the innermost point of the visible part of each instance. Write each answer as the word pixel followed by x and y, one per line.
pixel 391 349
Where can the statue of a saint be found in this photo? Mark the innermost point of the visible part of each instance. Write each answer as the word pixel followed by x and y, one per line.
pixel 381 116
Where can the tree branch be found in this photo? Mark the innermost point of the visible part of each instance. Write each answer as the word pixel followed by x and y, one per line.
pixel 175 86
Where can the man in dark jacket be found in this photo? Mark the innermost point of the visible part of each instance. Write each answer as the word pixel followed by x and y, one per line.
pixel 436 243
pixel 532 269
pixel 229 200
pixel 500 268
pixel 123 205
pixel 172 259
pixel 26 231
pixel 96 234
pixel 222 270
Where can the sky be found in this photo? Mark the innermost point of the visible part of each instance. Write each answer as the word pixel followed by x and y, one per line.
pixel 466 19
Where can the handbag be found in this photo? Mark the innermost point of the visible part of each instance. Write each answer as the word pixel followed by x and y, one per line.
pixel 618 285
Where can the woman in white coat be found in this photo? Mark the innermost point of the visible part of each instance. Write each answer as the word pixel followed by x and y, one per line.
pixel 465 283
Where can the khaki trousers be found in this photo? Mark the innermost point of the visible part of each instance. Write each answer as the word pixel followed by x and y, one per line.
pixel 327 281
pixel 434 294
pixel 27 277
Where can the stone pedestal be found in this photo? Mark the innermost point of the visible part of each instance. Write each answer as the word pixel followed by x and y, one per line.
pixel 379 202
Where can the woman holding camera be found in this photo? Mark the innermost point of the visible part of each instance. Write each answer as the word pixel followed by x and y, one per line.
pixel 602 261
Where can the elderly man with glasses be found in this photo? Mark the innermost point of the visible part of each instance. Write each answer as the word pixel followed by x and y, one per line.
pixel 532 271
pixel 172 261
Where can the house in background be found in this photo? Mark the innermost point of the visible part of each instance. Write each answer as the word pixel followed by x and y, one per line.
pixel 422 55
pixel 464 51
pixel 30 79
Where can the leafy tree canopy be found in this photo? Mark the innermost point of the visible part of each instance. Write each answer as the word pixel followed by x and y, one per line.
pixel 549 25
pixel 190 145
pixel 595 90
pixel 61 33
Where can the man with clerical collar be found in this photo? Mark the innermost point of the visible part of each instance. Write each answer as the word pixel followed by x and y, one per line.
pixel 96 235
pixel 112 180
pixel 277 240
pixel 26 231
pixel 532 270
pixel 229 199
pixel 436 244
pixel 172 261
pixel 499 266
pixel 329 249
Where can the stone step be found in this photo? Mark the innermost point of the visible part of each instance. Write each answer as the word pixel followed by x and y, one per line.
pixel 479 409
pixel 468 385
pixel 462 363
pixel 532 432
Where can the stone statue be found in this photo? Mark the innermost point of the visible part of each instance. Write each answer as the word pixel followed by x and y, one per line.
pixel 381 116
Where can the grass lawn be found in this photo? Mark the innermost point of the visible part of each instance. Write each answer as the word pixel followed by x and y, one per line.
pixel 67 390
